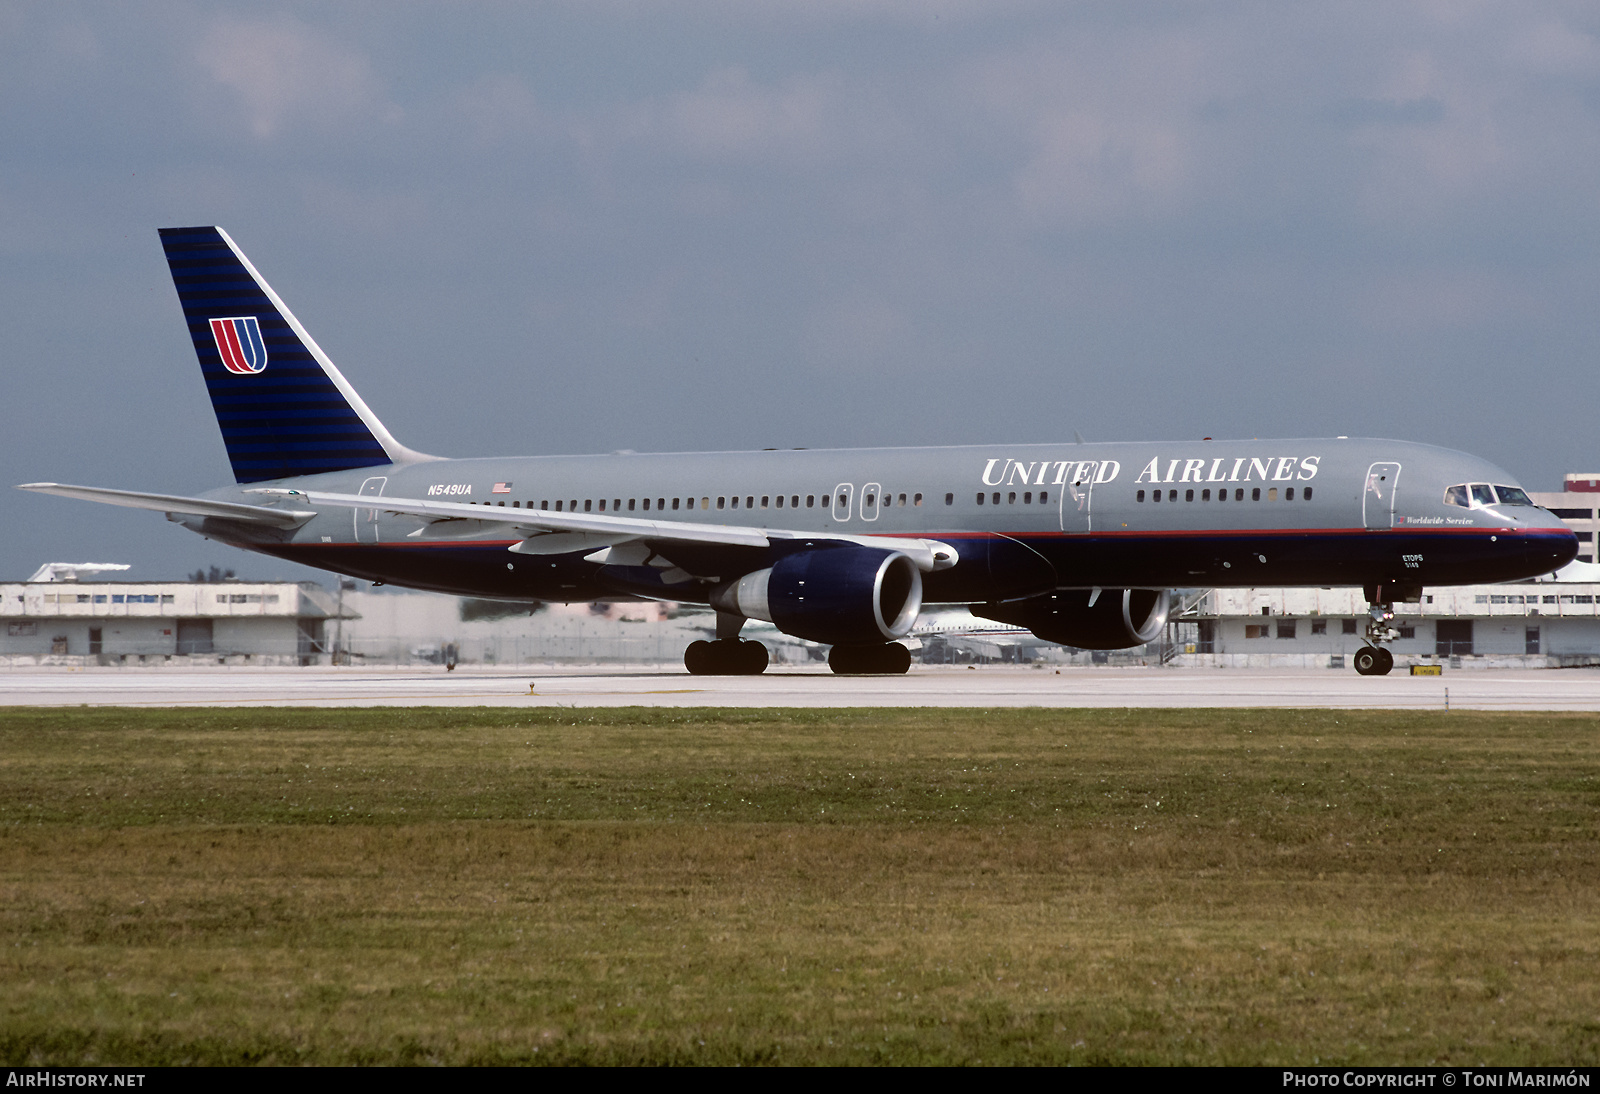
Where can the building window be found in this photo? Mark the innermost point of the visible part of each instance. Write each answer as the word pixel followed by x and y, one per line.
pixel 1348 626
pixel 1286 628
pixel 1319 626
pixel 1255 630
pixel 1407 630
pixel 1531 640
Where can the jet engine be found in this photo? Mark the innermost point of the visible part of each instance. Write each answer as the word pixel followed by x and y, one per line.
pixel 836 595
pixel 1099 619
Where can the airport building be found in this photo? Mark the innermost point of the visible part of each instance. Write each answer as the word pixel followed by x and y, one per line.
pixel 1550 624
pixel 1576 505
pixel 70 622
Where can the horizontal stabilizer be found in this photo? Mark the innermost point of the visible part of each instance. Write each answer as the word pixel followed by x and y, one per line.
pixel 173 503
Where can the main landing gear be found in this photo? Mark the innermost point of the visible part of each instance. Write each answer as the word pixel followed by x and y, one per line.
pixel 890 660
pixel 725 657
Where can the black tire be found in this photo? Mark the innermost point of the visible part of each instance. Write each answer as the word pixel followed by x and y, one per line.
pixel 890 660
pixel 1385 662
pixel 1367 660
pixel 753 658
pixel 700 658
pixel 896 660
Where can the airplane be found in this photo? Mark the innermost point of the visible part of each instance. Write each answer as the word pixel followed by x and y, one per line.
pixel 1078 543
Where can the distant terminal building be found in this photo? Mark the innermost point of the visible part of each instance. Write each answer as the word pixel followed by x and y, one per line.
pixel 1576 505
pixel 1535 625
pixel 71 622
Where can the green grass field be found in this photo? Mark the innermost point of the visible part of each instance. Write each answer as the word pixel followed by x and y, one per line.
pixel 849 886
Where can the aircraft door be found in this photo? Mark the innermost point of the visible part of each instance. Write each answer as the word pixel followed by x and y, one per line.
pixel 1076 495
pixel 367 519
pixel 870 501
pixel 841 501
pixel 1378 497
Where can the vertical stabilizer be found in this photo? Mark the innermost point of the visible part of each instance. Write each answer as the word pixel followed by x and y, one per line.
pixel 283 408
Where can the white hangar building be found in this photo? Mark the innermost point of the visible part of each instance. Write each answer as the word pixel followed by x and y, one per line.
pixel 71 622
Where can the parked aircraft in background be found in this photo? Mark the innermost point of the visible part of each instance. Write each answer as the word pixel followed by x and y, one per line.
pixel 1077 543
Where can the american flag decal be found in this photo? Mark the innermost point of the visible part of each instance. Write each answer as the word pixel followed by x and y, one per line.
pixel 501 488
pixel 239 341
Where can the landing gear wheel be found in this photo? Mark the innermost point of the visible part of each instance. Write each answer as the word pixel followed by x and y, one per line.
pixel 698 658
pixel 1373 661
pixel 725 657
pixel 890 660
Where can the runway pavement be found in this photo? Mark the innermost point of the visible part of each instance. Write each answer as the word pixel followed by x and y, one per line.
pixel 932 686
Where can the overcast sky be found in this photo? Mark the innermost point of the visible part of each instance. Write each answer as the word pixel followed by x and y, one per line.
pixel 578 227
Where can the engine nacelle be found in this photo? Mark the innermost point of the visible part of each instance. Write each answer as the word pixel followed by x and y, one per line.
pixel 837 595
pixel 1101 619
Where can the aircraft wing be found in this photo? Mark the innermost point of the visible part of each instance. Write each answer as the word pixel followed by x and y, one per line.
pixel 174 503
pixel 573 531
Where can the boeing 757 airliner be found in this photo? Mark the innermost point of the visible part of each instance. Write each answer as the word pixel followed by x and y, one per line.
pixel 1078 543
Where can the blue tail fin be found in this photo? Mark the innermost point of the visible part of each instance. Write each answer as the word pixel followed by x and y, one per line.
pixel 283 408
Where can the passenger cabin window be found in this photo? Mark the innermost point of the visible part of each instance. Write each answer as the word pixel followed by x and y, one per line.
pixel 949 499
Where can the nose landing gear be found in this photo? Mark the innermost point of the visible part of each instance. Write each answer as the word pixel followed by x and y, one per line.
pixel 1372 659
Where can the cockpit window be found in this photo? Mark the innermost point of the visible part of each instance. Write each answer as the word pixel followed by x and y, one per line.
pixel 1473 495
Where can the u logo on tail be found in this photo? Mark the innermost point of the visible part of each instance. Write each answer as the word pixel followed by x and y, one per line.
pixel 239 342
